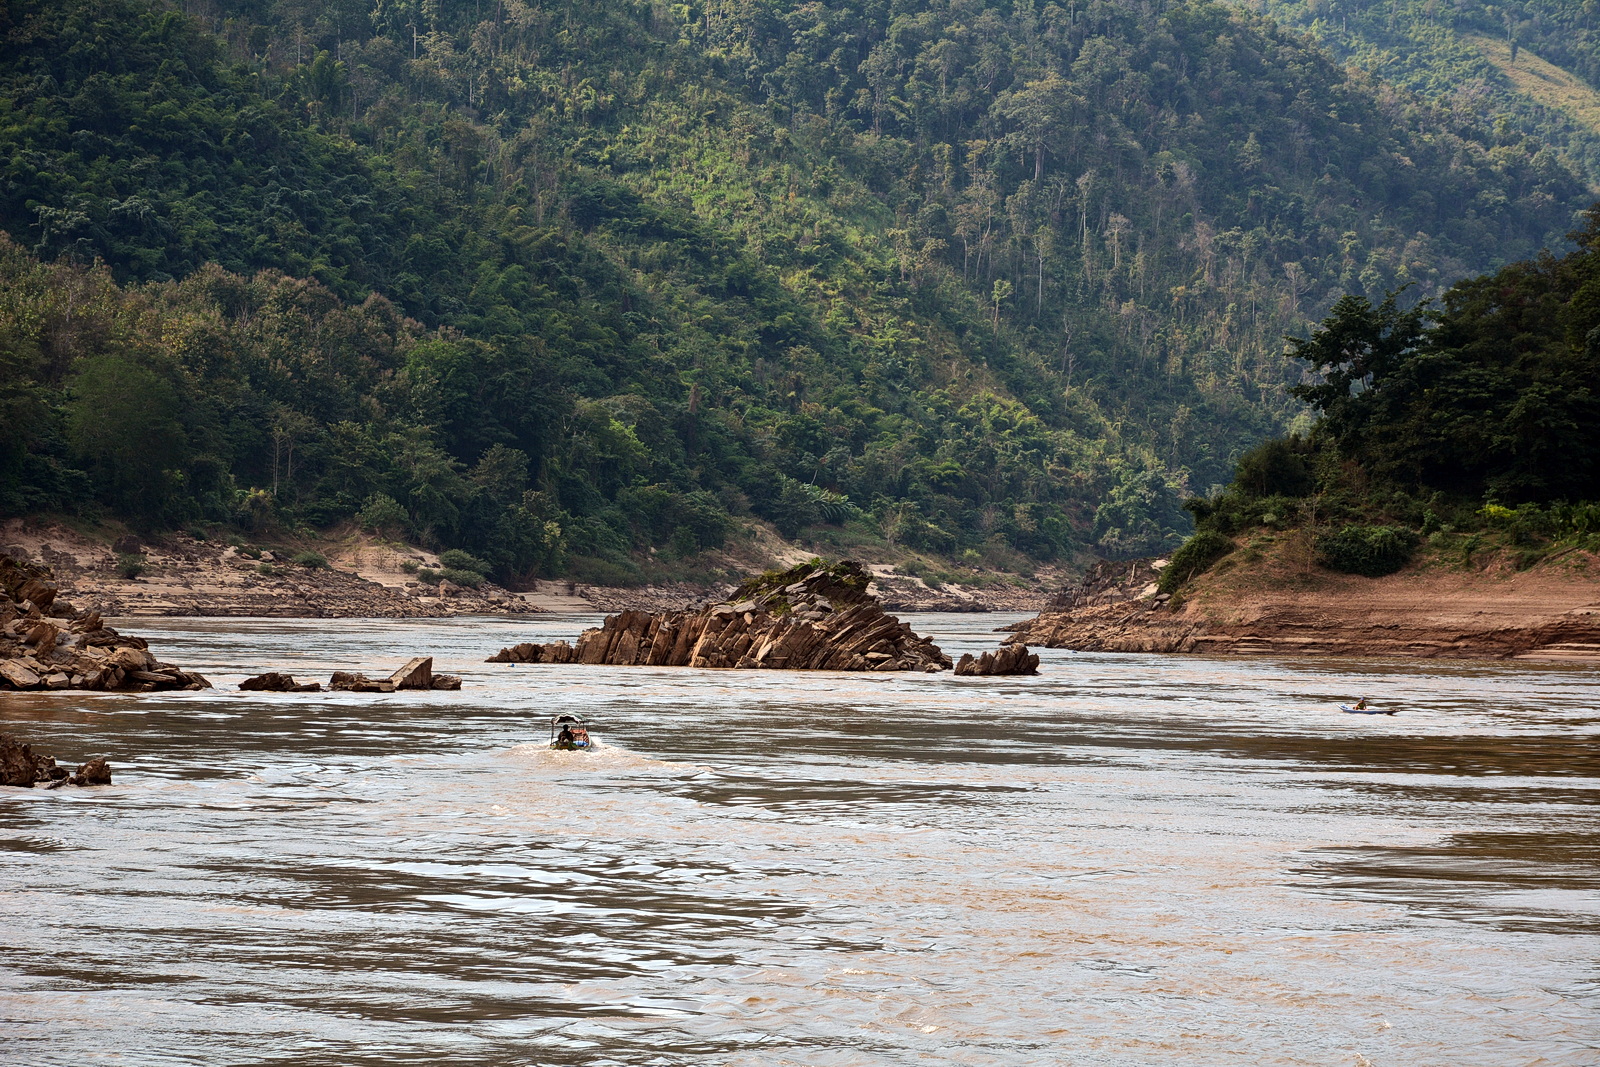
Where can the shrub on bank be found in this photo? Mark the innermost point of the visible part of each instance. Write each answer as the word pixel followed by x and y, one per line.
pixel 469 579
pixel 454 558
pixel 1194 557
pixel 1372 551
pixel 311 560
pixel 130 564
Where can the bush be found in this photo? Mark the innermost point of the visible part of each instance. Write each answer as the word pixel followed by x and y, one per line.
pixel 462 576
pixel 427 576
pixel 311 560
pixel 1274 468
pixel 1369 550
pixel 131 564
pixel 1193 558
pixel 464 561
pixel 266 570
pixel 410 566
pixel 382 512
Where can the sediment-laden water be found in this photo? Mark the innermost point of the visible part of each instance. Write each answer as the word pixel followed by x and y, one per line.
pixel 1126 860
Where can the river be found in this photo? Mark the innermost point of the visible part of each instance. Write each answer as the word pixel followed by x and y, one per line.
pixel 1125 860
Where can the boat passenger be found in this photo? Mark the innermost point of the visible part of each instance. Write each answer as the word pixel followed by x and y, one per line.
pixel 566 739
pixel 1361 705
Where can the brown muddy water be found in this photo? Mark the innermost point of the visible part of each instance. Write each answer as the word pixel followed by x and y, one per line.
pixel 1126 860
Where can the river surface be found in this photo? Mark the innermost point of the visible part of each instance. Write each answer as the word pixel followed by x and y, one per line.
pixel 1125 860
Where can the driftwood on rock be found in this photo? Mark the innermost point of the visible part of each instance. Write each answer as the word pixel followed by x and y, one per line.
pixel 21 766
pixel 46 643
pixel 1013 658
pixel 815 616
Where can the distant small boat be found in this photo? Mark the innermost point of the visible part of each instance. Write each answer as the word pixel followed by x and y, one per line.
pixel 1366 711
pixel 569 733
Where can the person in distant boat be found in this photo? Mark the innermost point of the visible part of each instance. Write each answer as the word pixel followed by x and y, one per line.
pixel 566 739
pixel 1361 705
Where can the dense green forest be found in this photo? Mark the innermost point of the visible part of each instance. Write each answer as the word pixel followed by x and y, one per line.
pixel 1480 413
pixel 555 283
pixel 1440 51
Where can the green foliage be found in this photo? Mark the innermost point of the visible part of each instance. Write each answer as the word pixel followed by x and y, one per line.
pixel 469 579
pixel 552 286
pixel 130 564
pixel 1498 397
pixel 381 513
pixel 1193 558
pixel 410 566
pixel 1369 550
pixel 428 576
pixel 459 560
pixel 1439 51
pixel 1274 468
pixel 311 560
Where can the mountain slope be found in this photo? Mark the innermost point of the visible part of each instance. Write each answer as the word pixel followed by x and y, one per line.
pixel 1526 67
pixel 587 279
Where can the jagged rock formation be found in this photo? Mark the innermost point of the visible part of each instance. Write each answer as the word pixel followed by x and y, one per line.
pixel 47 643
pixel 21 766
pixel 1012 658
pixel 1110 582
pixel 811 617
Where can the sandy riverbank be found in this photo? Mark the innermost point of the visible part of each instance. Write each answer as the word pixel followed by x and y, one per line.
pixel 1275 604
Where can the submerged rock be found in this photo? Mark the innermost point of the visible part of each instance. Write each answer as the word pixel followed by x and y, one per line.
pixel 814 616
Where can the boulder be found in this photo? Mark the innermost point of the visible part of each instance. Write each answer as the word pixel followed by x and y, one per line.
pixel 416 674
pixel 446 681
pixel 273 682
pixel 17 766
pixel 1011 658
pixel 95 772
pixel 352 682
pixel 19 675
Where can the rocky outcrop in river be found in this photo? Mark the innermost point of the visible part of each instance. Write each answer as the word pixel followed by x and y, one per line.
pixel 416 674
pixel 1012 658
pixel 47 643
pixel 20 765
pixel 814 616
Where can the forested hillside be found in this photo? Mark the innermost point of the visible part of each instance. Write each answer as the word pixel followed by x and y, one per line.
pixel 558 282
pixel 1472 422
pixel 1482 61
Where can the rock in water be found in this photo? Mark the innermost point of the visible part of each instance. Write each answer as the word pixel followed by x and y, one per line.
pixel 416 674
pixel 353 682
pixel 16 763
pixel 95 772
pixel 815 616
pixel 71 650
pixel 277 682
pixel 21 766
pixel 1010 659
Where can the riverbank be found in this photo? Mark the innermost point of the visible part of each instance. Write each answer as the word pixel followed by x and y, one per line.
pixel 1272 601
pixel 367 577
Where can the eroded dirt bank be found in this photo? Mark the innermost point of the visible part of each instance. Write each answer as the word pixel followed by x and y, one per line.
pixel 368 578
pixel 1433 608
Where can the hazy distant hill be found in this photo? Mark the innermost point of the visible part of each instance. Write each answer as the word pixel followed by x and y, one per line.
pixel 560 282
